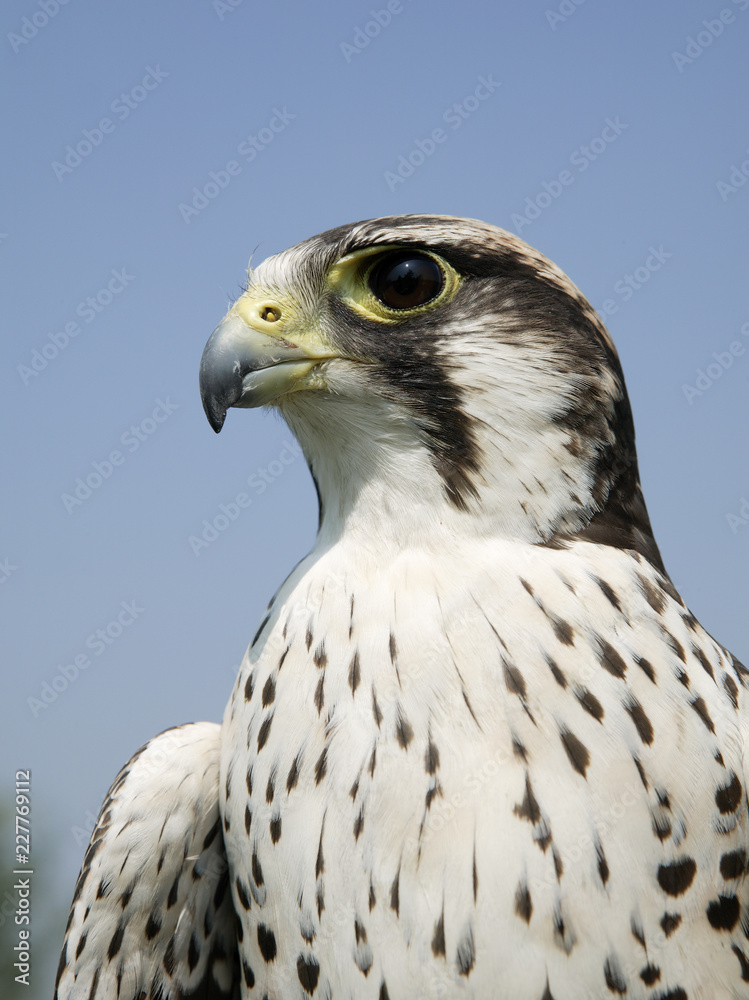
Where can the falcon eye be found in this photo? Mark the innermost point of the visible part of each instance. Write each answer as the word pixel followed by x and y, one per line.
pixel 405 280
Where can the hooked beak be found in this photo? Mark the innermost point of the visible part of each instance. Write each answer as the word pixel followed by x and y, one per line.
pixel 241 366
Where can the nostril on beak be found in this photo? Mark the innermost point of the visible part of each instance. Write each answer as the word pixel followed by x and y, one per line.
pixel 271 314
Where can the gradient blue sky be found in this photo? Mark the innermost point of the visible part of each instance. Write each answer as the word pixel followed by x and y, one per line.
pixel 184 87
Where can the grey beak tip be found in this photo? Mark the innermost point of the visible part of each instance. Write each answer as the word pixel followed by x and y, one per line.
pixel 216 419
pixel 213 390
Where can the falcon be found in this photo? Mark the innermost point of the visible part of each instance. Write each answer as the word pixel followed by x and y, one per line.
pixel 478 746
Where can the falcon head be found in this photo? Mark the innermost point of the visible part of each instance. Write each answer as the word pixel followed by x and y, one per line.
pixel 442 377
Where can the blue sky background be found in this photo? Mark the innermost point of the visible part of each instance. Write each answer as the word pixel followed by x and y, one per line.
pixel 201 79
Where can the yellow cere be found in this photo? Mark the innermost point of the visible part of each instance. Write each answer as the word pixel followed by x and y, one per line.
pixel 281 317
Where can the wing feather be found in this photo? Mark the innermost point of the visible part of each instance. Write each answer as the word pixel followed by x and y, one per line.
pixel 152 913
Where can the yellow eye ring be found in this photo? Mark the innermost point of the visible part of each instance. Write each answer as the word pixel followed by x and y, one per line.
pixel 391 283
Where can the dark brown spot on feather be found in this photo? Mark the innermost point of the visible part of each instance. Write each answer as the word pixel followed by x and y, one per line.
pixel 376 709
pixel 556 673
pixel 703 661
pixel 676 877
pixel 432 757
pixel 395 903
pixel 320 693
pixel 269 692
pixel 728 797
pixel 266 940
pixel 731 689
pixel 642 723
pixel 558 866
pixel 669 923
pixel 741 672
pixel 320 860
pixel 652 595
pixel 611 660
pixel 563 631
pixel 466 954
pixel 608 593
pixel 523 902
pixel 590 703
pixel 257 871
pixel 359 823
pixel 637 932
pixel 646 667
pixel 733 864
pixel 321 767
pixel 701 709
pixel 613 976
pixel 308 971
pixel 514 679
pixel 577 752
pixel 723 913
pixel 242 894
pixel 528 808
pixel 354 672
pixel 403 730
pixel 603 867
pixel 293 776
pixel 438 938
pixel 264 732
pixel 650 974
pixel 661 827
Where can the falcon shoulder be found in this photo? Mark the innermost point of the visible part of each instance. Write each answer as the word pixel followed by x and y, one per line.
pixel 152 914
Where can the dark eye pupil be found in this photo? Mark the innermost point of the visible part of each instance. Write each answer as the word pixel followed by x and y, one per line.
pixel 404 280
